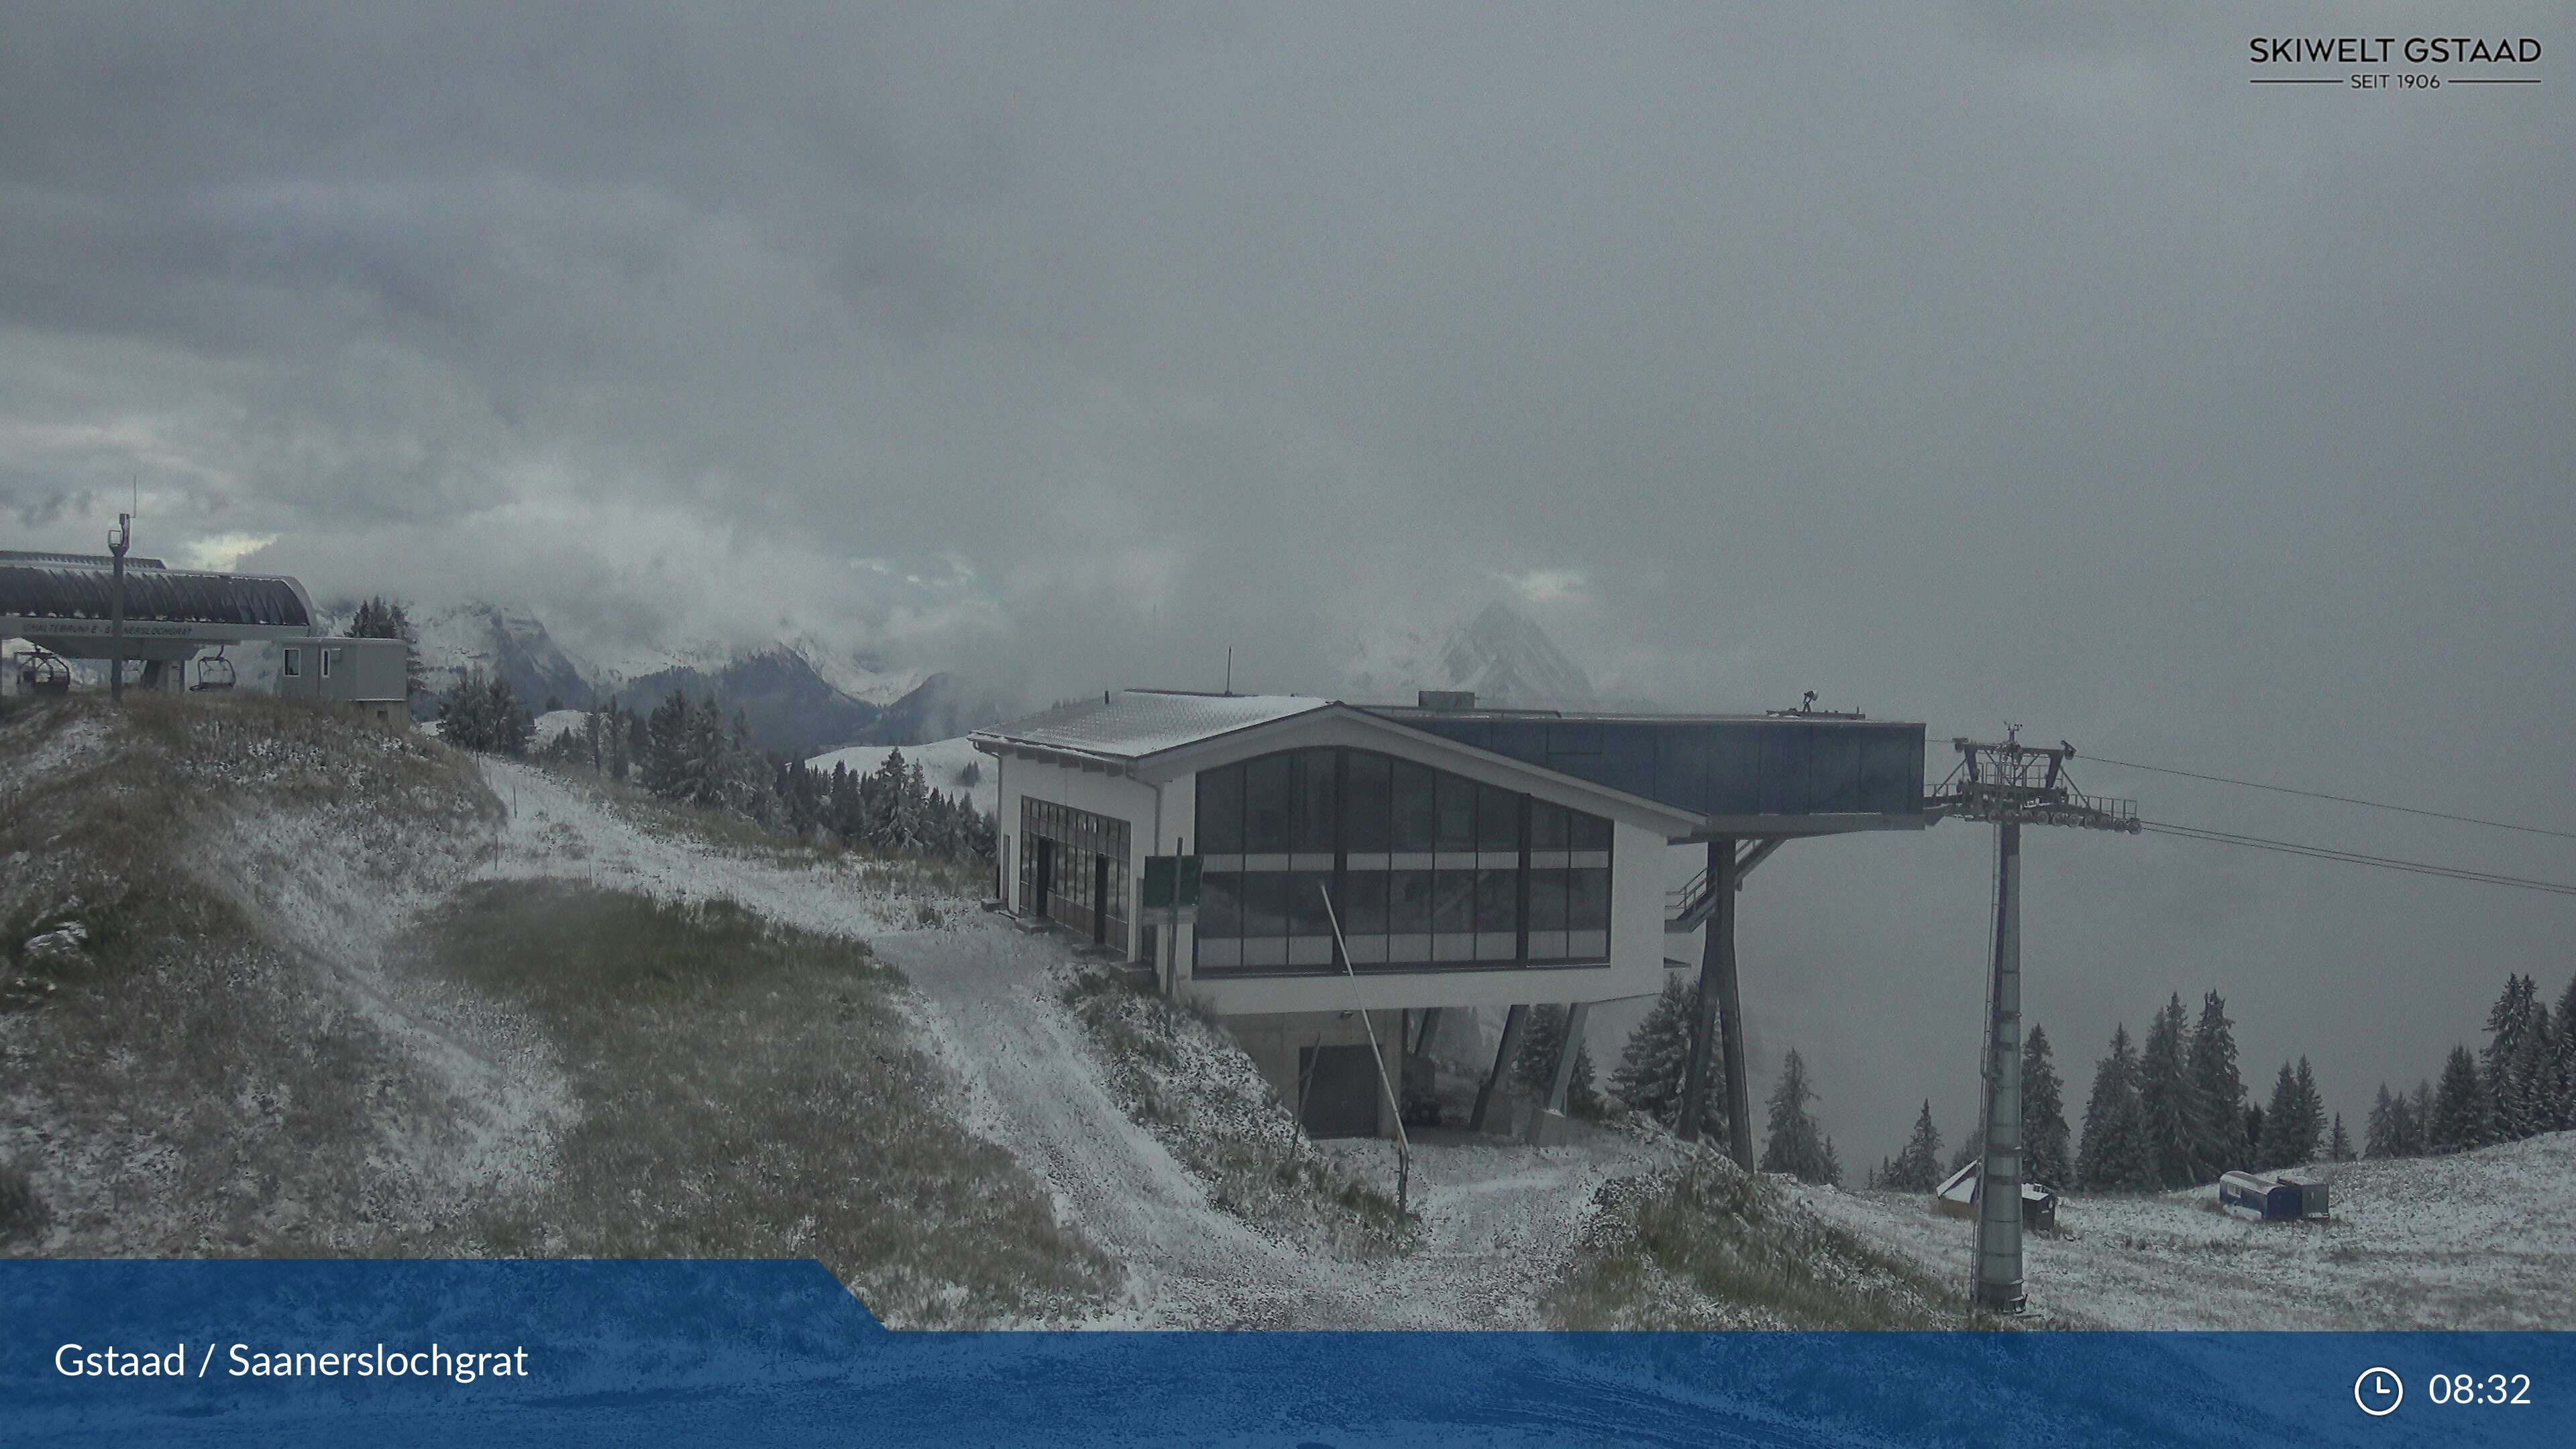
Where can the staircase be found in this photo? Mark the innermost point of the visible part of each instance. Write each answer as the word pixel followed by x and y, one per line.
pixel 1687 907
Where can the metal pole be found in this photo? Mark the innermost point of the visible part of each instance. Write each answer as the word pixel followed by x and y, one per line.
pixel 1999 1273
pixel 1403 1146
pixel 1563 1078
pixel 1513 1020
pixel 117 543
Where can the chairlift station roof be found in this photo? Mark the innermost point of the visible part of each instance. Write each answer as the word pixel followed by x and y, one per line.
pixel 1742 775
pixel 63 602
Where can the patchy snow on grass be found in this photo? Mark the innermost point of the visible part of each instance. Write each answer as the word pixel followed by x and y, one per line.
pixel 562 828
pixel 2483 1240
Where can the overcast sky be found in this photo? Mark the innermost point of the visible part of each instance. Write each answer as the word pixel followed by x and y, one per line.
pixel 1965 363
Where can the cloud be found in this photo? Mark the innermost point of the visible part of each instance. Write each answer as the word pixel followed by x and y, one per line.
pixel 1963 363
pixel 224 550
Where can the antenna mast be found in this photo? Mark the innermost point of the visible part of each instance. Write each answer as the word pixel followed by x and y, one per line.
pixel 117 543
pixel 2011 784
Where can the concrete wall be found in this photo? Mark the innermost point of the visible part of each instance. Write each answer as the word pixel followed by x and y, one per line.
pixel 1274 1041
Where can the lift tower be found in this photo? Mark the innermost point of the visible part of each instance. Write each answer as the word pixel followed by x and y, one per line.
pixel 2011 784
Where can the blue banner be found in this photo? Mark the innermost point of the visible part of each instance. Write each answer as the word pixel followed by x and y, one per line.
pixel 560 1353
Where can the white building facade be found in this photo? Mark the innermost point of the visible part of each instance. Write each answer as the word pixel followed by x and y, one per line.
pixel 1471 859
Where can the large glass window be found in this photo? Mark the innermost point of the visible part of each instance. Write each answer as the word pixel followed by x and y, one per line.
pixel 1366 824
pixel 1221 811
pixel 1074 869
pixel 1417 813
pixel 1314 813
pixel 1515 880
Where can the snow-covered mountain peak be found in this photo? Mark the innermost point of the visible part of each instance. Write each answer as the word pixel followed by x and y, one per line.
pixel 1502 656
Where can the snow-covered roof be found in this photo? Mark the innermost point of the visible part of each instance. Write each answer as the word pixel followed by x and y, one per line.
pixel 1131 724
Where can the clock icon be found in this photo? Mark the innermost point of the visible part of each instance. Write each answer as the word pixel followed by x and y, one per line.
pixel 2378 1391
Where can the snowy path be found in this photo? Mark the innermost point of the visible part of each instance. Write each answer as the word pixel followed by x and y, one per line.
pixel 1498 1218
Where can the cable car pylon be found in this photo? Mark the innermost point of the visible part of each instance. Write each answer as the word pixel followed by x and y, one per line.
pixel 2011 784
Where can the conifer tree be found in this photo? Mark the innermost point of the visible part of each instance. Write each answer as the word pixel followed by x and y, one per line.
pixel 2505 1058
pixel 2294 1120
pixel 2463 1116
pixel 2168 1102
pixel 1650 1071
pixel 1534 1069
pixel 2045 1156
pixel 2113 1155
pixel 2221 1089
pixel 1918 1167
pixel 1794 1144
pixel 2339 1146
pixel 2379 1136
pixel 2419 1107
pixel 2562 1030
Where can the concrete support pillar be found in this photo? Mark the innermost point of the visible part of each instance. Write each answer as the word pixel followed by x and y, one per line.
pixel 1511 1045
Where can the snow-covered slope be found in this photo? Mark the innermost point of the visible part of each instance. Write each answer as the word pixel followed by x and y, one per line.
pixel 946 764
pixel 2482 1240
pixel 1500 655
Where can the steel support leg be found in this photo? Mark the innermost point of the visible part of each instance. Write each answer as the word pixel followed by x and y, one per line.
pixel 1511 1045
pixel 1563 1079
pixel 1999 1273
pixel 1721 1013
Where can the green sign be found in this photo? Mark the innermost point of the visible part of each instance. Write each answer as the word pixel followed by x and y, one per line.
pixel 1171 881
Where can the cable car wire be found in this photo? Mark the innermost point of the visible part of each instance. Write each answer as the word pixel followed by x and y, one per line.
pixel 2354 857
pixel 2338 799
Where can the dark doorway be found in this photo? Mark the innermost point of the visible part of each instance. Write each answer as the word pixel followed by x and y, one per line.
pixel 1100 900
pixel 1046 875
pixel 1340 1089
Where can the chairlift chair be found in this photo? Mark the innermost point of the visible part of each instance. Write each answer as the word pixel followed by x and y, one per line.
pixel 42 671
pixel 214 671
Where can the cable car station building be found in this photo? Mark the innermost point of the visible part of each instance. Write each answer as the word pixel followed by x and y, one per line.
pixel 1471 857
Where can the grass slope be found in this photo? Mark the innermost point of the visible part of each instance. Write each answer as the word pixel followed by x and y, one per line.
pixel 746 1090
pixel 172 1079
pixel 1181 1075
pixel 1703 1245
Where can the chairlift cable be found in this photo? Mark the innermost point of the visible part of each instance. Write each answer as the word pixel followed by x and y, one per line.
pixel 2354 857
pixel 2338 799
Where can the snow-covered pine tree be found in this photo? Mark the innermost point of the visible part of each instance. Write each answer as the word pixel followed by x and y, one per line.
pixel 2221 1088
pixel 2379 1135
pixel 2113 1156
pixel 2562 1030
pixel 2168 1100
pixel 2534 1073
pixel 2419 1107
pixel 666 744
pixel 1534 1069
pixel 1918 1167
pixel 2276 1148
pixel 2509 1024
pixel 2307 1130
pixel 1794 1145
pixel 2339 1146
pixel 1651 1068
pixel 2463 1118
pixel 2045 1157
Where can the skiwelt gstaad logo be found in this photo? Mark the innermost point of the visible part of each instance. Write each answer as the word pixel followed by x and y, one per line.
pixel 2422 63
